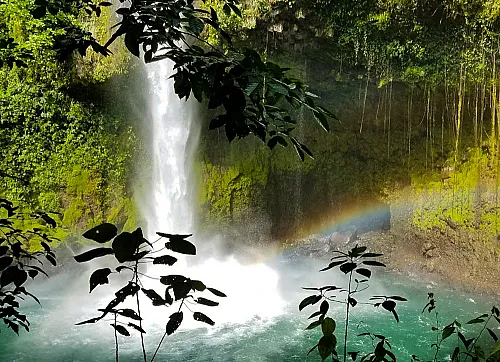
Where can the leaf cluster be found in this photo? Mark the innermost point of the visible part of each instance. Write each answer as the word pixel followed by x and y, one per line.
pixel 17 263
pixel 132 250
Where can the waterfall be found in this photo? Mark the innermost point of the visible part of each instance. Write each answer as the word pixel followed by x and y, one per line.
pixel 174 138
pixel 251 288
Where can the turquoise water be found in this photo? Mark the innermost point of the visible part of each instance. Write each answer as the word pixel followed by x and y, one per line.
pixel 54 337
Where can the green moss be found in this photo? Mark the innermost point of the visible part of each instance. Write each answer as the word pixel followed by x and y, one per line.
pixel 464 195
pixel 95 67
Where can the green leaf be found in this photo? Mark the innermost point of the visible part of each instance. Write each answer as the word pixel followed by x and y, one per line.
pixel 492 334
pixel 323 122
pixel 475 321
pixel 99 277
pixel 495 351
pixel 101 233
pixel 326 346
pixel 198 316
pixel 447 331
pixel 328 326
pixel 92 254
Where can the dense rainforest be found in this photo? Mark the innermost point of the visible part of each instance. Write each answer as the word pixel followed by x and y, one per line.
pixel 403 152
pixel 414 86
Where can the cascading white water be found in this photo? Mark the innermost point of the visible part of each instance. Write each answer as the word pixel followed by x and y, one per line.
pixel 251 288
pixel 174 134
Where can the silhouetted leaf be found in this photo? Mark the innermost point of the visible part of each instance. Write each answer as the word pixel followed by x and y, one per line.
pixel 13 275
pixel 315 314
pixel 312 349
pixel 120 329
pixel 352 301
pixel 174 322
pixel 447 331
pixel 5 262
pixel 181 246
pixel 125 245
pixel 348 267
pixel 333 264
pixel 99 277
pixel 129 313
pixel 51 259
pixel 353 355
pixel 172 279
pixel 475 321
pixel 207 302
pixel 3 249
pixel 323 308
pixel 396 297
pixel 32 273
pixel 313 325
pixel 373 263
pixel 371 255
pixel 312 299
pixel 216 292
pixel 101 233
pixel 492 334
pixel 93 253
pixel 136 327
pixel 202 318
pixel 155 297
pixel 320 117
pixel 174 236
pixel 364 272
pixel 198 285
pixel 165 259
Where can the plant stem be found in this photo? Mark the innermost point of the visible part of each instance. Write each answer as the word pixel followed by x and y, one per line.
pixel 437 338
pixel 347 316
pixel 139 310
pixel 477 338
pixel 116 342
pixel 164 335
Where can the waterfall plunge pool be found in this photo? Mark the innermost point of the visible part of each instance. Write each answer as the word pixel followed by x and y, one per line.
pixel 258 322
